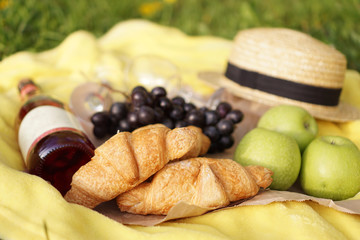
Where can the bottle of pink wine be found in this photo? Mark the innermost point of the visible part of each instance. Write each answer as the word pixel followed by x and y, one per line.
pixel 52 141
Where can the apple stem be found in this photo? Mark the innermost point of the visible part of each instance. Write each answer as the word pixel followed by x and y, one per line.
pixel 306 125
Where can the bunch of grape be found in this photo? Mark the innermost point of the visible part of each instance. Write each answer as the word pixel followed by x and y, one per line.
pixel 144 108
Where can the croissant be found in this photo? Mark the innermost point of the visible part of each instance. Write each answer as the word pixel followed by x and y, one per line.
pixel 205 182
pixel 127 159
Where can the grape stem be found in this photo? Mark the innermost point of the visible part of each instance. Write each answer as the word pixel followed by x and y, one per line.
pixel 111 89
pixel 107 86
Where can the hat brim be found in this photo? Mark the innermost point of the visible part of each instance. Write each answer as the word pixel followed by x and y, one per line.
pixel 343 112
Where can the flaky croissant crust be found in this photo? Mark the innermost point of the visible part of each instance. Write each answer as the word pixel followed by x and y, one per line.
pixel 127 159
pixel 205 182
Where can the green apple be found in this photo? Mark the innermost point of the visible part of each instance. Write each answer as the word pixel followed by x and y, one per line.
pixel 291 120
pixel 331 168
pixel 273 150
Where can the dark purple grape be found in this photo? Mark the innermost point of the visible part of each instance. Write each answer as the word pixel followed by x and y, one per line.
pixel 149 100
pixel 178 100
pixel 164 103
pixel 100 119
pixel 146 115
pixel 139 98
pixel 118 110
pixel 114 125
pixel 100 131
pixel 159 114
pixel 180 123
pixel 195 118
pixel 203 109
pixel 235 116
pixel 169 123
pixel 158 92
pixel 189 107
pixel 212 132
pixel 226 141
pixel 133 119
pixel 177 112
pixel 215 147
pixel 212 148
pixel 211 117
pixel 225 126
pixel 138 88
pixel 223 108
pixel 124 126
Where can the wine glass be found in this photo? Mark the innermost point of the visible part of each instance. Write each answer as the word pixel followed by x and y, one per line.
pixel 151 71
pixel 94 95
pixel 220 94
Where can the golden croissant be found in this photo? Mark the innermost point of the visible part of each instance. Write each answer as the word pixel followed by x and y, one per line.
pixel 205 182
pixel 127 159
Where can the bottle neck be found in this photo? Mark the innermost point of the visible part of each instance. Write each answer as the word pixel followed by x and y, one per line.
pixel 28 91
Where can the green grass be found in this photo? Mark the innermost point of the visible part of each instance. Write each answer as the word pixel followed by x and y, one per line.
pixel 38 25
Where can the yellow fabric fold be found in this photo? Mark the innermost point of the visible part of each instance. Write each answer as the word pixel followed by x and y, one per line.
pixel 32 209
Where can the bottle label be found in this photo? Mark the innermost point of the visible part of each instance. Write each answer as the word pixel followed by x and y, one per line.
pixel 40 122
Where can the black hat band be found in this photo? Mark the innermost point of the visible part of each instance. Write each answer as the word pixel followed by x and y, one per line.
pixel 283 88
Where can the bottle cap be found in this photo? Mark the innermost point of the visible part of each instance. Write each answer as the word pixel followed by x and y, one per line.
pixel 23 82
pixel 26 86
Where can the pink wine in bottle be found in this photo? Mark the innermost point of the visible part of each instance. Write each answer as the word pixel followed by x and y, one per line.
pixel 52 141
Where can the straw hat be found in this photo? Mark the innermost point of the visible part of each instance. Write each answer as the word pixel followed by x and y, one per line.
pixel 283 66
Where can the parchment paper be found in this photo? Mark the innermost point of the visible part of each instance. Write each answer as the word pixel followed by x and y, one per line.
pixel 252 112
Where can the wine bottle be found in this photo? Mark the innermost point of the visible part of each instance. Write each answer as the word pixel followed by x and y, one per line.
pixel 52 141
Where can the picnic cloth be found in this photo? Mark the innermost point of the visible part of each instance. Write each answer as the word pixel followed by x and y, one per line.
pixel 30 208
